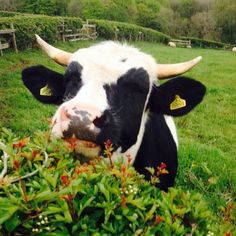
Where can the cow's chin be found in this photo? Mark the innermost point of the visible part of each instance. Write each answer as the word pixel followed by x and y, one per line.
pixel 87 149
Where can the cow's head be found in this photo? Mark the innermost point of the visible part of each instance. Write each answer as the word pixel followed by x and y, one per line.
pixel 107 92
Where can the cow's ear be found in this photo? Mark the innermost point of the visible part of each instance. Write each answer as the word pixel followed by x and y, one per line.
pixel 46 85
pixel 176 97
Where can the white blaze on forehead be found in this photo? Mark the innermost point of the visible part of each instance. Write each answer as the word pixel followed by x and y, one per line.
pixel 106 62
pixel 92 93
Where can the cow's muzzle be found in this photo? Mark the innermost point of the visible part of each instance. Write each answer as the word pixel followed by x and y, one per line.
pixel 78 121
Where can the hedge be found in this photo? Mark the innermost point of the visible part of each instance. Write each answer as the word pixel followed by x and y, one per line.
pixel 203 43
pixel 28 25
pixel 45 189
pixel 125 31
pixel 8 13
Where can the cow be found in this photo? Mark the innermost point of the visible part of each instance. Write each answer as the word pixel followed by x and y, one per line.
pixel 172 44
pixel 111 91
pixel 234 49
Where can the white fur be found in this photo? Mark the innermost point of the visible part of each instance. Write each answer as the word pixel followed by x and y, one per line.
pixel 171 124
pixel 102 64
pixel 234 49
pixel 133 150
pixel 172 44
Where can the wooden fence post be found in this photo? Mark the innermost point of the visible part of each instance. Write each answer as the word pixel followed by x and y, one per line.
pixel 1 53
pixel 14 39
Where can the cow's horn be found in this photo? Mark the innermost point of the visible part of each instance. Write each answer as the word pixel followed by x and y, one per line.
pixel 59 56
pixel 165 71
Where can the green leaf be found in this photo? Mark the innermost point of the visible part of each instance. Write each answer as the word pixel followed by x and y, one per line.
pixel 151 170
pixel 45 196
pixel 52 210
pixel 151 212
pixel 7 210
pixel 132 218
pixel 12 223
pixel 86 204
pixel 104 191
pixel 52 180
pixel 138 202
pixel 205 168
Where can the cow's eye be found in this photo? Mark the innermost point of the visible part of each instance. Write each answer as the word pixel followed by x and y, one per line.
pixel 72 80
pixel 135 80
pixel 102 121
pixel 72 88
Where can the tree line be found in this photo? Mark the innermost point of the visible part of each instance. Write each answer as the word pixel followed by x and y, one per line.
pixel 205 19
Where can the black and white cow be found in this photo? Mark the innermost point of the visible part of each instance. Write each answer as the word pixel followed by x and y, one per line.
pixel 110 91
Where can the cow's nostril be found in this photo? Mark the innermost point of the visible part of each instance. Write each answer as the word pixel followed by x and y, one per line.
pixel 101 121
pixel 64 114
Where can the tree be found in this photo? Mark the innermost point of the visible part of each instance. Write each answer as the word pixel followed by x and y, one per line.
pixel 225 14
pixel 203 25
pixel 60 7
pixel 164 17
pixel 38 7
pixel 186 8
pixel 145 15
pixel 9 5
pixel 75 8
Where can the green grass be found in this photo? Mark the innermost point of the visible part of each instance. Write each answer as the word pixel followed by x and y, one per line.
pixel 207 136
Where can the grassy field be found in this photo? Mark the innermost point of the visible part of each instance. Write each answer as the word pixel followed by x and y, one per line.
pixel 207 136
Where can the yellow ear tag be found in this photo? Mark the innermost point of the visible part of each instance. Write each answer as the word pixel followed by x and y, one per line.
pixel 177 103
pixel 45 91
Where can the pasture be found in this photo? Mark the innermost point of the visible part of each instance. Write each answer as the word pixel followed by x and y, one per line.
pixel 207 136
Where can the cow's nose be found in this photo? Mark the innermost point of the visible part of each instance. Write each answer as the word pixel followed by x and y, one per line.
pixel 78 120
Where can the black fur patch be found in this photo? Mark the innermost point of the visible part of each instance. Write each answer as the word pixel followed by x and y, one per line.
pixel 72 80
pixel 190 90
pixel 157 146
pixel 79 127
pixel 126 99
pixel 37 77
pixel 61 87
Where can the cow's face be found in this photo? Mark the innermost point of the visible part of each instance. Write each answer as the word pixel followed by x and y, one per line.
pixel 107 92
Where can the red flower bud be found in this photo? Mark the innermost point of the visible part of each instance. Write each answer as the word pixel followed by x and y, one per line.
pixel 129 158
pixel 65 180
pixel 123 168
pixel 16 164
pixel 108 144
pixel 72 143
pixel 158 220
pixel 33 155
pixel 20 144
pixel 163 165
pixel 92 163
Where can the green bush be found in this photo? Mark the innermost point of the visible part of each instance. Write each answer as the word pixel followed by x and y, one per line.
pixel 28 25
pixel 8 14
pixel 62 196
pixel 203 43
pixel 46 26
pixel 125 31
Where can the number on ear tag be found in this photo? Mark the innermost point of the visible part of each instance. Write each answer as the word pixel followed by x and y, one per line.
pixel 177 103
pixel 45 91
